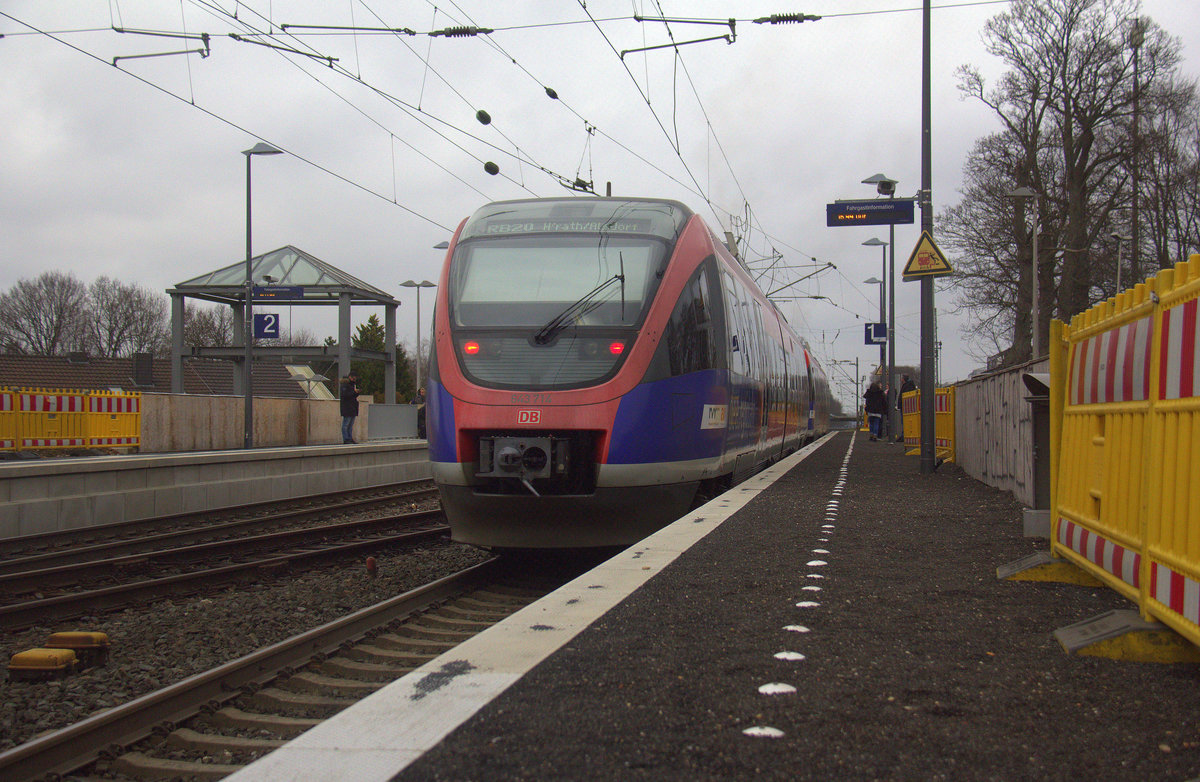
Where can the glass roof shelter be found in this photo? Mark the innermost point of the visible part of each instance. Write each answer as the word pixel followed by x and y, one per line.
pixel 293 277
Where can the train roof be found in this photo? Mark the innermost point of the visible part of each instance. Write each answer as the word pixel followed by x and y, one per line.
pixel 656 216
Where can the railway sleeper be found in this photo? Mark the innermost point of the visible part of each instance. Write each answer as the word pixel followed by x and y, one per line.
pixel 321 684
pixel 364 670
pixel 401 641
pixel 141 766
pixel 194 740
pixel 285 727
pixel 440 621
pixel 297 704
pixel 445 635
pixel 471 614
pixel 511 595
pixel 365 654
pixel 474 603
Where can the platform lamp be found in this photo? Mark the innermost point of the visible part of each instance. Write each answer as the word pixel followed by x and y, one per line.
pixel 885 350
pixel 261 148
pixel 1031 194
pixel 418 286
pixel 882 345
pixel 1120 256
pixel 886 186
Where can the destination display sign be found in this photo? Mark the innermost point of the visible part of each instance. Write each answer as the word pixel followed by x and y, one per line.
pixel 883 211
pixel 278 291
pixel 543 225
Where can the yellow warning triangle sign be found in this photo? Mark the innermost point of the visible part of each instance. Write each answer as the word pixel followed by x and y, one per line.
pixel 926 260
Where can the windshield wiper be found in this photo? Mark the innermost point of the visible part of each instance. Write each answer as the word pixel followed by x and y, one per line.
pixel 586 303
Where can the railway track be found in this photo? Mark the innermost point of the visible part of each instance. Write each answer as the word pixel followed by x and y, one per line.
pixel 211 724
pixel 68 583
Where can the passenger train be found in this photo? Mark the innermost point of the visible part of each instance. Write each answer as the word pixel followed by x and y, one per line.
pixel 598 366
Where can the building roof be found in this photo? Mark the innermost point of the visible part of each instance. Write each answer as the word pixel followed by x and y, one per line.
pixel 287 273
pixel 204 377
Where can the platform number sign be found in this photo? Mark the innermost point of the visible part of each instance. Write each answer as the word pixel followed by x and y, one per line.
pixel 876 333
pixel 266 325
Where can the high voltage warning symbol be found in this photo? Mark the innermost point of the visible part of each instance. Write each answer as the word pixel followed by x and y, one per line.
pixel 926 260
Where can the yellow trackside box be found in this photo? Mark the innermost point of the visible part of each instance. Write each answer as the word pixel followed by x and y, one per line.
pixel 90 648
pixel 37 664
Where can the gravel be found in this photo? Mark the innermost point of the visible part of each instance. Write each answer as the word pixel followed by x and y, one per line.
pixel 159 644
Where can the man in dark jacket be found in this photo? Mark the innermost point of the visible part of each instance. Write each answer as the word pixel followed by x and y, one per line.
pixel 349 397
pixel 876 405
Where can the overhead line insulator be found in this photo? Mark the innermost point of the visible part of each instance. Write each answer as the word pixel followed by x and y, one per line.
pixel 787 18
pixel 463 32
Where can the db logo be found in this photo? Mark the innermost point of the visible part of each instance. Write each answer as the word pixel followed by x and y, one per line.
pixel 529 416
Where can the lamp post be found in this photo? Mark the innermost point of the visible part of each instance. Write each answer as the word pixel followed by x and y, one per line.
pixel 885 185
pixel 1120 248
pixel 882 345
pixel 886 357
pixel 418 286
pixel 1030 193
pixel 261 148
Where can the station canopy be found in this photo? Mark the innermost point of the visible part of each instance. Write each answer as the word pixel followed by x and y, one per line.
pixel 288 267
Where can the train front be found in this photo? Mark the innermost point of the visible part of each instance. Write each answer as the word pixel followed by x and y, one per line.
pixel 537 326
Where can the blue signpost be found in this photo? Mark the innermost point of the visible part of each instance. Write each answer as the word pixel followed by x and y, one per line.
pixel 266 325
pixel 876 333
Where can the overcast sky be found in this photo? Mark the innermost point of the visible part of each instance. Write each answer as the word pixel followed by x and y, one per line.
pixel 135 171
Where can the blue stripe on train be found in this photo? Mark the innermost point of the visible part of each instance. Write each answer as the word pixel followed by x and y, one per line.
pixel 660 421
pixel 439 423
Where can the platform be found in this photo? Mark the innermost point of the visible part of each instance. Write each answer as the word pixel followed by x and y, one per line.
pixel 836 617
pixel 68 492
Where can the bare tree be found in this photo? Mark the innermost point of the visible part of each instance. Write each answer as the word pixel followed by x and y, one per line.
pixel 1065 107
pixel 208 327
pixel 45 316
pixel 124 319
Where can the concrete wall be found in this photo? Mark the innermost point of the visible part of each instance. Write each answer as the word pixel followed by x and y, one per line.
pixel 185 422
pixel 56 494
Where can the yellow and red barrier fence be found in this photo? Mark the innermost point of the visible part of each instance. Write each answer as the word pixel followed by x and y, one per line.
pixel 1125 418
pixel 943 422
pixel 8 420
pixel 37 418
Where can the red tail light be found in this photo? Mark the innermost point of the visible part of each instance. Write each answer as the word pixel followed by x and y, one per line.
pixel 470 348
pixel 616 348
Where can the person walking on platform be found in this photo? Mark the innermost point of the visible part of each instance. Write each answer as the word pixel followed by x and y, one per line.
pixel 876 404
pixel 906 385
pixel 349 399
pixel 419 401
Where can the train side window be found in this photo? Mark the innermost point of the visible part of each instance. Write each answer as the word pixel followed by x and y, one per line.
pixel 690 333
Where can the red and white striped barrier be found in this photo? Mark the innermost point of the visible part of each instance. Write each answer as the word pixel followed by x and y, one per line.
pixel 1179 369
pixel 1113 366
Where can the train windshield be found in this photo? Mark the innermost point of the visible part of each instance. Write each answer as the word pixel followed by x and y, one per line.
pixel 529 281
pixel 549 293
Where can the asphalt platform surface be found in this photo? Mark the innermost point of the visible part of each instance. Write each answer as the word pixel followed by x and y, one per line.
pixel 917 663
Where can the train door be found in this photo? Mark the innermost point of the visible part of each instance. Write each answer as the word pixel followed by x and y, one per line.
pixel 810 407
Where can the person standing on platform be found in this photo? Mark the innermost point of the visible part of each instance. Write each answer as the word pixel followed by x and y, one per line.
pixel 876 405
pixel 906 385
pixel 349 398
pixel 419 401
